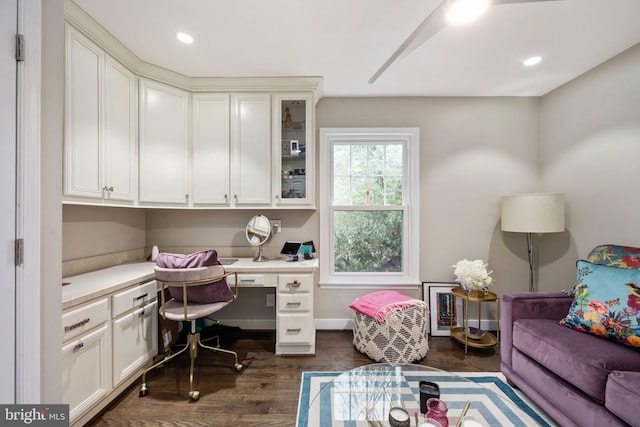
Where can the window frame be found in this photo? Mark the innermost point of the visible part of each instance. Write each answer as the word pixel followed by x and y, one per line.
pixel 410 139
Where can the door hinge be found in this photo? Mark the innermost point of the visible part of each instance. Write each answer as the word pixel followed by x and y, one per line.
pixel 19 47
pixel 19 251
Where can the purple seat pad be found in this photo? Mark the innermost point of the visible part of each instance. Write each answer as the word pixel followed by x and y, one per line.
pixel 581 359
pixel 623 395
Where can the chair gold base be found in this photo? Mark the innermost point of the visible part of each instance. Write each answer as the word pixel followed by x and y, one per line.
pixel 193 342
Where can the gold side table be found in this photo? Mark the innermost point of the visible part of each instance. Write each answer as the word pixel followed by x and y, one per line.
pixel 459 333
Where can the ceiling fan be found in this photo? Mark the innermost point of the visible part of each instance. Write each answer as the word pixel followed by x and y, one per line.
pixel 448 11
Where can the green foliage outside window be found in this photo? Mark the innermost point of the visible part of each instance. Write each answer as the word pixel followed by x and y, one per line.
pixel 368 241
pixel 368 174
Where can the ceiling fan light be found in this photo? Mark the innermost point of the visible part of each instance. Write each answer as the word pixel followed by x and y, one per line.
pixel 460 12
pixel 185 38
pixel 529 62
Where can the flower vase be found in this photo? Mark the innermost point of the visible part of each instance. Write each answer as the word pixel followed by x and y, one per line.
pixel 437 411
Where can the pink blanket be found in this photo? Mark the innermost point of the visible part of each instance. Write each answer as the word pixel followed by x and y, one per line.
pixel 379 304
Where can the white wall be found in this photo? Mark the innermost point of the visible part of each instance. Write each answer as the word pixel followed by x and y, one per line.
pixel 590 146
pixel 52 101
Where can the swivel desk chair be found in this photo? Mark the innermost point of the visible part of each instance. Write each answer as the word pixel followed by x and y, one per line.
pixel 185 310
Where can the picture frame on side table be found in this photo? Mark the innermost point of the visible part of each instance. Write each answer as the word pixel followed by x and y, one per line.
pixel 444 309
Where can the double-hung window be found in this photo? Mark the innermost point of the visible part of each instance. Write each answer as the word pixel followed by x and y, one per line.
pixel 369 207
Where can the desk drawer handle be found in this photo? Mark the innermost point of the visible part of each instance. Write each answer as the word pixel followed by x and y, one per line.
pixel 294 330
pixel 247 280
pixel 294 304
pixel 142 297
pixel 295 284
pixel 78 346
pixel 76 325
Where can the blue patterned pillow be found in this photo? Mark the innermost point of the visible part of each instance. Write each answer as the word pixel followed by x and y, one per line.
pixel 606 303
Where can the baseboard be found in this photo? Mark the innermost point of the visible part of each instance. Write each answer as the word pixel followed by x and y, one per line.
pixel 327 324
pixel 347 324
pixel 334 324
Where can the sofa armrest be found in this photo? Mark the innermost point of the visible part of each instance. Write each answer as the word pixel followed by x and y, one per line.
pixel 528 305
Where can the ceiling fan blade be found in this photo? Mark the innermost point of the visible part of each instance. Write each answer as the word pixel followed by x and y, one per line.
pixel 433 23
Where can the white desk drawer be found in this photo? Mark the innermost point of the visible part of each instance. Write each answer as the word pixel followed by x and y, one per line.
pixel 133 298
pixel 294 302
pixel 294 328
pixel 302 282
pixel 77 322
pixel 254 280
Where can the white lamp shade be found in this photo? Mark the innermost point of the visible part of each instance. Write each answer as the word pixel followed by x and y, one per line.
pixel 533 213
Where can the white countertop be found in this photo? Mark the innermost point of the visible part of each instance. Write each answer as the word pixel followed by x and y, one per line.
pixel 88 286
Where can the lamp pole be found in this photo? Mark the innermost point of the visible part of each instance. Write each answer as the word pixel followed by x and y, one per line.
pixel 532 287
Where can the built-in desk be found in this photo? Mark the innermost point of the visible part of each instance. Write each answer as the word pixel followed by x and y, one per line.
pixel 110 327
pixel 294 283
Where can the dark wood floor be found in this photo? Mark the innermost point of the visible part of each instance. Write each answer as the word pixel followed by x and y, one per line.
pixel 265 393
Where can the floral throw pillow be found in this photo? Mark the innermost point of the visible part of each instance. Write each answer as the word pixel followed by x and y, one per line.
pixel 606 303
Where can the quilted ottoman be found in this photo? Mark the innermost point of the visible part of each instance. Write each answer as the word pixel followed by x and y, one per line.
pixel 400 335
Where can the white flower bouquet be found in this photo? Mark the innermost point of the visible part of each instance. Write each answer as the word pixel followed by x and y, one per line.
pixel 472 275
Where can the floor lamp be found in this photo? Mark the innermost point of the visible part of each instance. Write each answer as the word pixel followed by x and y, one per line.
pixel 533 213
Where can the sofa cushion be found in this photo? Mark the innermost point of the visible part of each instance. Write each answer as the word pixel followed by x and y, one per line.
pixel 581 359
pixel 623 394
pixel 217 291
pixel 606 303
pixel 615 256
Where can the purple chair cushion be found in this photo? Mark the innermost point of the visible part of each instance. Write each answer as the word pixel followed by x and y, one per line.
pixel 206 293
pixel 581 359
pixel 623 394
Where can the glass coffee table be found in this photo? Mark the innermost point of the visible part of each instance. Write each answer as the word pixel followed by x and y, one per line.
pixel 363 397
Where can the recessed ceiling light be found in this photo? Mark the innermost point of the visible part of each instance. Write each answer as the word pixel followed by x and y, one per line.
pixel 532 61
pixel 459 12
pixel 185 38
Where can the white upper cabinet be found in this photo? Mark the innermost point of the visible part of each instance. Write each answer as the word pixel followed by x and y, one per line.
pixel 293 178
pixel 100 143
pixel 180 142
pixel 163 144
pixel 120 148
pixel 251 149
pixel 211 150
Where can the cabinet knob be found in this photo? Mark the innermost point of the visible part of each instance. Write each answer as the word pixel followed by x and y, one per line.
pixel 295 283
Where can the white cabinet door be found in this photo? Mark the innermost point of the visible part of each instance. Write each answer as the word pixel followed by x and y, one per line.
pixel 251 142
pixel 135 341
pixel 120 148
pixel 86 371
pixel 83 94
pixel 100 112
pixel 164 145
pixel 293 150
pixel 211 150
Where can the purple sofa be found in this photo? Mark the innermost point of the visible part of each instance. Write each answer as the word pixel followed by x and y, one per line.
pixel 576 378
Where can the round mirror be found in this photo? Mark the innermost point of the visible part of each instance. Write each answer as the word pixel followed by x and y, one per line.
pixel 258 234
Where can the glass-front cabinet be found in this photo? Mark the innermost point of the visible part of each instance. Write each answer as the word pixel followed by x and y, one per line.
pixel 293 147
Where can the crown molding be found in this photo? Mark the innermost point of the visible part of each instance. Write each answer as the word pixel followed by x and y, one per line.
pixel 92 29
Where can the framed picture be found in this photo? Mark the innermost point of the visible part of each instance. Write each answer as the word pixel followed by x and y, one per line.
pixel 445 310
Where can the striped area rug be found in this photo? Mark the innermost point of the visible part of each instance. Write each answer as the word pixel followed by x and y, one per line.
pixel 492 399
